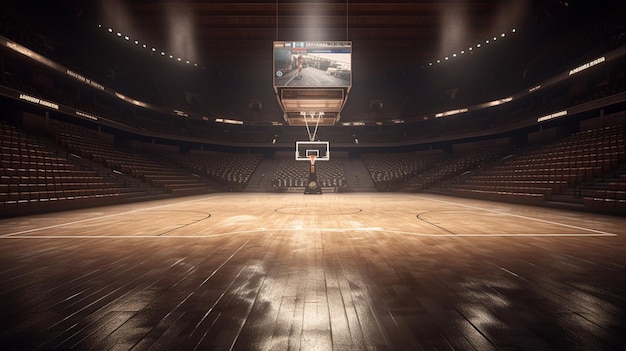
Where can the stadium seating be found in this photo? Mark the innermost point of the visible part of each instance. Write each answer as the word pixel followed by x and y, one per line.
pixel 294 174
pixel 607 194
pixel 37 176
pixel 175 181
pixel 230 169
pixel 388 170
pixel 451 167
pixel 538 173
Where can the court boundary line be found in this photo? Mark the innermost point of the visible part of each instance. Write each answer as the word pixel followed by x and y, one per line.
pixel 516 215
pixel 97 218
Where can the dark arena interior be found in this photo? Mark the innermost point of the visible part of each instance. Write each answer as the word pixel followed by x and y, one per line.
pixel 459 180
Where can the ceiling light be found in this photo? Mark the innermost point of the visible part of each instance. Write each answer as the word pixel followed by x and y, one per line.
pixel 479 45
pixel 152 48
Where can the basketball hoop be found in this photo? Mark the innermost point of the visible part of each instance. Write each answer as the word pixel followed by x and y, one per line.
pixel 312 157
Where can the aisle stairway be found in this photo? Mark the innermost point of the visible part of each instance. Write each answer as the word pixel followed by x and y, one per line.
pixel 357 176
pixel 261 180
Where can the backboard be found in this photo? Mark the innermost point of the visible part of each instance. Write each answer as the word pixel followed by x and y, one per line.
pixel 304 150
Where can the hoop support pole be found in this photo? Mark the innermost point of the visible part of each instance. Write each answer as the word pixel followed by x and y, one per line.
pixel 317 123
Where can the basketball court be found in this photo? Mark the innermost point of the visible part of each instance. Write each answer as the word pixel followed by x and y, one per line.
pixel 376 271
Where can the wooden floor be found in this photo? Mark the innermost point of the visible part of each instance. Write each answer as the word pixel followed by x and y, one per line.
pixel 313 272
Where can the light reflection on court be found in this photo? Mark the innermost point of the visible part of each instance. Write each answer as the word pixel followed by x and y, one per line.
pixel 272 271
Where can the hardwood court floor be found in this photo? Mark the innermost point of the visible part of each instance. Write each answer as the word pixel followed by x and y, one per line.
pixel 313 272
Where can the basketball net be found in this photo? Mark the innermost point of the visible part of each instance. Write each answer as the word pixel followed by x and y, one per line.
pixel 317 119
pixel 312 163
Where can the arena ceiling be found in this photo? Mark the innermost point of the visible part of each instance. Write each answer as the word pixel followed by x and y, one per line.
pixel 385 34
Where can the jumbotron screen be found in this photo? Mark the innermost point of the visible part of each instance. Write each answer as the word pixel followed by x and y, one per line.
pixel 311 64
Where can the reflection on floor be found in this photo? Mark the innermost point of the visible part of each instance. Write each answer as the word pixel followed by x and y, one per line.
pixel 298 272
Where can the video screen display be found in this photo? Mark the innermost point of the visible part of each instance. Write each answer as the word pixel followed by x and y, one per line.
pixel 312 64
